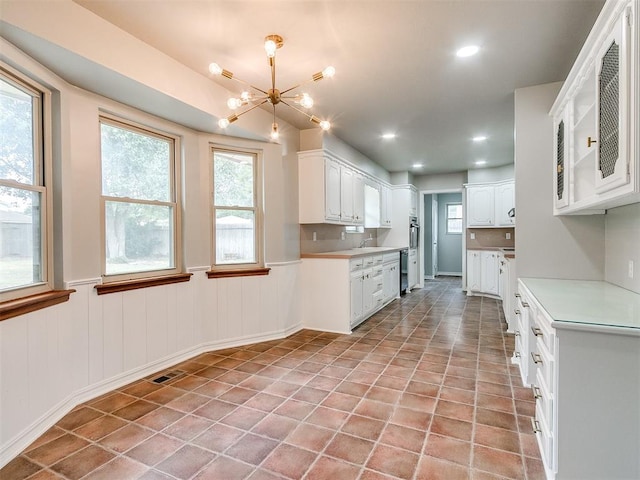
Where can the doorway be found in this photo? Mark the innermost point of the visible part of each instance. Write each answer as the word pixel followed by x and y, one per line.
pixel 443 228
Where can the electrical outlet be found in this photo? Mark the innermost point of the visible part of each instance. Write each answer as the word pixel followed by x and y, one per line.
pixel 630 273
pixel 315 237
pixel 343 235
pixel 473 236
pixel 507 236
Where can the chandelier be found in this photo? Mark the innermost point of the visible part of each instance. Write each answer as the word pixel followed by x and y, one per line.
pixel 257 97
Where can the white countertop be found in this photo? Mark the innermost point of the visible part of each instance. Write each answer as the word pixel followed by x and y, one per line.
pixel 586 302
pixel 353 252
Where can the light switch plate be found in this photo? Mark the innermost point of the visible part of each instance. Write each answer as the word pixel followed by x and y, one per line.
pixel 473 236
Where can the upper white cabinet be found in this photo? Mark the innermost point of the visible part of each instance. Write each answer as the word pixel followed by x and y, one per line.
pixel 595 118
pixel 332 193
pixel 386 206
pixel 413 207
pixel 358 198
pixel 490 205
pixel 346 194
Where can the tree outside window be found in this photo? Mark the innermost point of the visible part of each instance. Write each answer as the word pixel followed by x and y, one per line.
pixel 23 194
pixel 454 218
pixel 139 200
pixel 236 212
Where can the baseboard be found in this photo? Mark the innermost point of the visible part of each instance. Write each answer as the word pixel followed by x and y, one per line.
pixel 16 445
pixel 449 274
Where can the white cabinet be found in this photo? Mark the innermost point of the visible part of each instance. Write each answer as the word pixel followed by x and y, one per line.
pixel 596 118
pixel 329 190
pixel 413 207
pixel 489 205
pixel 583 372
pixel 489 272
pixel 337 294
pixel 480 206
pixel 358 199
pixel 412 268
pixel 474 268
pixel 386 206
pixel 507 289
pixel 483 272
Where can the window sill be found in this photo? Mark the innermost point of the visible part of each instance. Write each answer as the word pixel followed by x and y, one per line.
pixel 127 285
pixel 248 272
pixel 20 306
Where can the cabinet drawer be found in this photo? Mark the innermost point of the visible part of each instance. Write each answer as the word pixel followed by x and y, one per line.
pixel 378 259
pixel 356 264
pixel 544 333
pixel 368 262
pixel 390 257
pixel 544 400
pixel 545 365
pixel 378 299
pixel 545 437
pixel 377 272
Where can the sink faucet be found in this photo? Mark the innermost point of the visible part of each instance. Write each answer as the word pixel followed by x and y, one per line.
pixel 364 242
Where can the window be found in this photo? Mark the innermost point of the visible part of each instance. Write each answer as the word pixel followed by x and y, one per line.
pixel 141 215
pixel 25 157
pixel 237 210
pixel 454 218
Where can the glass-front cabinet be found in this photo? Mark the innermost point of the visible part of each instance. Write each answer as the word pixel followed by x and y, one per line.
pixel 595 118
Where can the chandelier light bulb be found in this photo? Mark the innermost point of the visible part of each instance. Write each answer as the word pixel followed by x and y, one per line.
pixel 306 101
pixel 215 69
pixel 270 47
pixel 223 123
pixel 245 96
pixel 234 103
pixel 325 125
pixel 274 132
pixel 329 72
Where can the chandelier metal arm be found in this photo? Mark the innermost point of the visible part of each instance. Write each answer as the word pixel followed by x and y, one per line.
pixel 249 85
pixel 264 100
pixel 297 109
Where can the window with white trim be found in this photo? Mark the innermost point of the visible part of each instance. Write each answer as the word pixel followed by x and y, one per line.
pixel 25 165
pixel 236 210
pixel 454 218
pixel 141 222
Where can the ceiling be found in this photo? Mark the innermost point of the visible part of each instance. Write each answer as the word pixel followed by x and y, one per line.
pixel 395 61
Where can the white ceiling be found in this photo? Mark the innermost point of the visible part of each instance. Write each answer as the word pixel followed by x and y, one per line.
pixel 395 61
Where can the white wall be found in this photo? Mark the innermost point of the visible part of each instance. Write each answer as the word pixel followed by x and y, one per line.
pixel 622 244
pixel 54 358
pixel 440 182
pixel 488 175
pixel 548 246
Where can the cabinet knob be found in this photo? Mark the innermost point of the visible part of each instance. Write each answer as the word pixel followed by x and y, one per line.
pixel 536 392
pixel 536 331
pixel 590 141
pixel 535 425
pixel 537 359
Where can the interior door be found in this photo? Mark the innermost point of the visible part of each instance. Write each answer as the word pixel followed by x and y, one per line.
pixel 434 235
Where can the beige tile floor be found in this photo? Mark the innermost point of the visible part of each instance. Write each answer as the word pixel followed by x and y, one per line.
pixel 423 390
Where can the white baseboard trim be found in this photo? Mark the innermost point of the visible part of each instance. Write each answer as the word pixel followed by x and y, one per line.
pixel 450 274
pixel 14 446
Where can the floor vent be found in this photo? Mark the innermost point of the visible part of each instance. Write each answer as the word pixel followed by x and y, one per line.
pixel 167 376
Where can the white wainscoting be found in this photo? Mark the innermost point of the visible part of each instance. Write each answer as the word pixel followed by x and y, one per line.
pixel 53 359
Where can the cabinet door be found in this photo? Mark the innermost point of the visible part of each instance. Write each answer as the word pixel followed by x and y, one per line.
pixel 505 200
pixel 412 274
pixel 346 194
pixel 368 289
pixel 473 271
pixel 356 283
pixel 358 199
pixel 386 206
pixel 413 209
pixel 480 206
pixel 561 164
pixel 613 92
pixel 489 273
pixel 332 189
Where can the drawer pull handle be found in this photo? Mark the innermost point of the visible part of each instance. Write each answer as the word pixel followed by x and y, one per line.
pixel 535 425
pixel 525 304
pixel 517 334
pixel 536 392
pixel 590 141
pixel 517 295
pixel 516 311
pixel 537 359
pixel 516 354
pixel 536 331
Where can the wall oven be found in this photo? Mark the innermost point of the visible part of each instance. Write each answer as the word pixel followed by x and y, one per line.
pixel 414 232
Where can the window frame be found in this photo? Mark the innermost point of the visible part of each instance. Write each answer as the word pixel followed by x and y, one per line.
pixel 43 177
pixel 449 232
pixel 236 269
pixel 174 202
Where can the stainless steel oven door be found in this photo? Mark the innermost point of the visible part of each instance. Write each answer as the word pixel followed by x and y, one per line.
pixel 413 236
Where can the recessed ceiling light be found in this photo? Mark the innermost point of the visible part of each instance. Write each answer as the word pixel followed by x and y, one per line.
pixel 479 138
pixel 468 51
pixel 481 162
pixel 417 165
pixel 389 136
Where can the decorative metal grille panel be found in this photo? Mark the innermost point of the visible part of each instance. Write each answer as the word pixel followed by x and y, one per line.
pixel 560 161
pixel 609 84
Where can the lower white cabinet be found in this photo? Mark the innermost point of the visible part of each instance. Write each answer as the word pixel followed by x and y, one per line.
pixel 482 272
pixel 412 268
pixel 583 360
pixel 507 282
pixel 340 293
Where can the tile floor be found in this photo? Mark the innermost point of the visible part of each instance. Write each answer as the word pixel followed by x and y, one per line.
pixel 422 390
